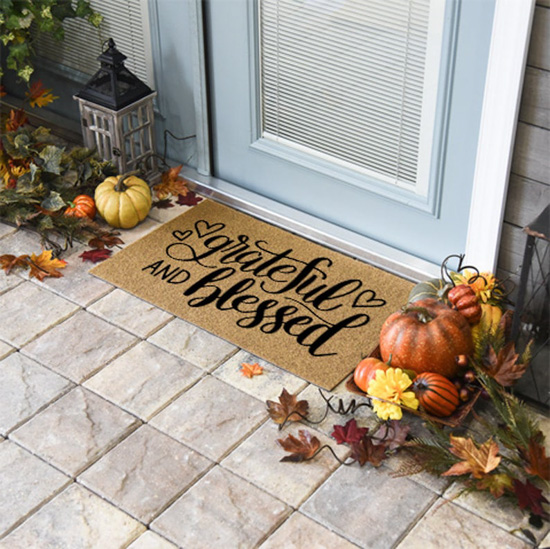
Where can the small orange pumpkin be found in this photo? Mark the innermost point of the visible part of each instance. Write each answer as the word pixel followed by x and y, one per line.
pixel 82 206
pixel 366 370
pixel 463 298
pixel 436 394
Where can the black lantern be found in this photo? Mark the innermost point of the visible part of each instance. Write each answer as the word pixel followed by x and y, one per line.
pixel 116 111
pixel 532 312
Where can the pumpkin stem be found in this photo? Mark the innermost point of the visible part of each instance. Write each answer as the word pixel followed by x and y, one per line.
pixel 120 187
pixel 421 313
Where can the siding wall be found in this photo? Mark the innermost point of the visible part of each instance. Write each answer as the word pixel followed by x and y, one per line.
pixel 529 185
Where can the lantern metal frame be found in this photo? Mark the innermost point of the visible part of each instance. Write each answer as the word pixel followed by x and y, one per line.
pixel 117 116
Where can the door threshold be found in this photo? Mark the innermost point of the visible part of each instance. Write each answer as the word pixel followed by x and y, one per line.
pixel 313 228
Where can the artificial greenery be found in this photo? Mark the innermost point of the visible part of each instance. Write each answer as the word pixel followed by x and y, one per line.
pixel 22 20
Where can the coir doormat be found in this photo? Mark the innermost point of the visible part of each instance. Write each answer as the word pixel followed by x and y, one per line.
pixel 292 302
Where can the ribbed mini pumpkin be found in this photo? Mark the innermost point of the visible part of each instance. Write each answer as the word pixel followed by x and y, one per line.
pixel 436 394
pixel 366 370
pixel 463 298
pixel 123 201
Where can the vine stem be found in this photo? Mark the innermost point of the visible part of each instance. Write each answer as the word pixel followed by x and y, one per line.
pixel 331 450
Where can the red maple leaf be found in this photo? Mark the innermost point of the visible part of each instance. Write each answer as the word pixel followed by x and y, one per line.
pixel 349 433
pixel 530 497
pixel 190 199
pixel 95 256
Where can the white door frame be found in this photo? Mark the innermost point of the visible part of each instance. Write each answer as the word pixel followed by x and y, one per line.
pixel 504 81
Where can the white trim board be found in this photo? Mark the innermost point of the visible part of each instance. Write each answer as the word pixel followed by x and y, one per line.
pixel 508 52
pixel 499 115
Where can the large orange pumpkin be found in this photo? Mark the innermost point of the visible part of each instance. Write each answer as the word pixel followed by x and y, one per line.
pixel 426 336
pixel 436 394
pixel 366 370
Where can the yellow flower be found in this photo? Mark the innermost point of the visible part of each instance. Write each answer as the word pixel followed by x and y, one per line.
pixel 483 284
pixel 390 386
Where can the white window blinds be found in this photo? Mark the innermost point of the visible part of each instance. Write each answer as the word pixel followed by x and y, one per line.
pixel 353 82
pixel 126 21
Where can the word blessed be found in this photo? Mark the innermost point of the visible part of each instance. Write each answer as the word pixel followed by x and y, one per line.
pixel 270 290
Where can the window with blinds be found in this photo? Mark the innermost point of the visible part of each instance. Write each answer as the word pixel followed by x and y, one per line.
pixel 126 21
pixel 353 82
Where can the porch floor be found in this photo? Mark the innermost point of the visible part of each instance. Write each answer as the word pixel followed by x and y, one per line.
pixel 122 426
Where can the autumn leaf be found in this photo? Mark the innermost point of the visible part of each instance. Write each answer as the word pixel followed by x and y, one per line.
pixel 289 408
pixel 538 463
pixel 365 451
pixel 108 240
pixel 392 434
pixel 496 484
pixel 349 433
pixel 95 256
pixel 504 367
pixel 190 199
pixel 16 119
pixel 39 96
pixel 2 90
pixel 301 448
pixel 530 497
pixel 9 262
pixel 171 184
pixel 163 204
pixel 477 461
pixel 251 370
pixel 44 266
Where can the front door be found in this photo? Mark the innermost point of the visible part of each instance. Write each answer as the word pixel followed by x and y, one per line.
pixel 363 113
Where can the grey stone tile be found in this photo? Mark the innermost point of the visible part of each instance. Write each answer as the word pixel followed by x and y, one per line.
pixel 80 346
pixel 299 531
pixel 20 242
pixel 26 388
pixel 7 282
pixel 144 473
pixel 77 284
pixel 25 482
pixel 225 511
pixel 130 236
pixel 267 386
pixel 5 350
pixel 447 525
pixel 130 313
pixel 367 506
pixel 501 512
pixel 75 519
pixel 194 344
pixel 75 430
pixel 340 396
pixel 165 215
pixel 144 379
pixel 211 417
pixel 258 460
pixel 546 541
pixel 6 229
pixel 27 310
pixel 150 540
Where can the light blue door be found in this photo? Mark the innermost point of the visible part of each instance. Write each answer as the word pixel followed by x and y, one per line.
pixel 271 69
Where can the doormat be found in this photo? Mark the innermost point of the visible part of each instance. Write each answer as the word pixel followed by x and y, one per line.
pixel 294 303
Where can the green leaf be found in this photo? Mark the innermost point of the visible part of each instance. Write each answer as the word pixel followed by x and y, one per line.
pixel 16 144
pixel 52 158
pixel 53 202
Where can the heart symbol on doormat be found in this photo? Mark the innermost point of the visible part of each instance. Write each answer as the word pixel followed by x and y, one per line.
pixel 367 299
pixel 182 235
pixel 204 228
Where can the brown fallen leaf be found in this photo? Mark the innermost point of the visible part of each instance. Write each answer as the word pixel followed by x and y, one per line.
pixel 538 463
pixel 504 366
pixel 289 408
pixel 251 370
pixel 108 240
pixel 476 461
pixel 496 484
pixel 9 262
pixel 171 184
pixel 44 266
pixel 95 256
pixel 300 449
pixel 366 451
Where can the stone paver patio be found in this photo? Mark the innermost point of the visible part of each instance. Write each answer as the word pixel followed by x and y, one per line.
pixel 110 438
